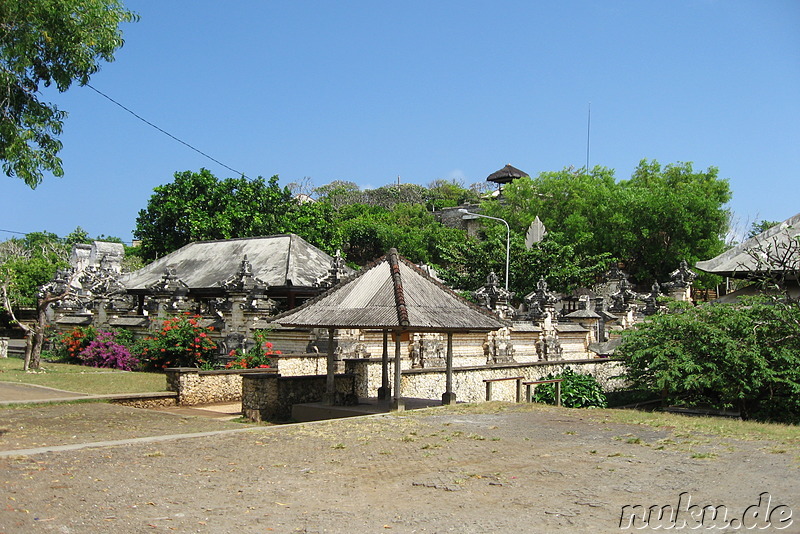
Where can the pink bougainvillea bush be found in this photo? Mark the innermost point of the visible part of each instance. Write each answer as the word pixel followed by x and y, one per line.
pixel 105 351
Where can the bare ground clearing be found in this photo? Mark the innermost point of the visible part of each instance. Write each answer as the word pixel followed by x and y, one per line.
pixel 490 468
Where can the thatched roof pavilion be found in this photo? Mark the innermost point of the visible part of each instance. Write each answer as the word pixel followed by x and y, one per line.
pixel 505 175
pixel 393 295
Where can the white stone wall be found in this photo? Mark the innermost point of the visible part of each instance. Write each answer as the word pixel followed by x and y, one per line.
pixel 468 383
pixel 302 364
pixel 206 387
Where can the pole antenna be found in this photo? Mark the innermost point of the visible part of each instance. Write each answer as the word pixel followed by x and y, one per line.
pixel 588 133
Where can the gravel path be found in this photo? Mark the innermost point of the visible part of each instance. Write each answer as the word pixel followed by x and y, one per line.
pixel 10 391
pixel 498 468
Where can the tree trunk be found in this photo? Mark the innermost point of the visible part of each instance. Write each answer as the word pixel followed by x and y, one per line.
pixel 28 349
pixel 38 333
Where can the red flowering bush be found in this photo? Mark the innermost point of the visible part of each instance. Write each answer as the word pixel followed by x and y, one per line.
pixel 68 346
pixel 259 356
pixel 107 352
pixel 181 342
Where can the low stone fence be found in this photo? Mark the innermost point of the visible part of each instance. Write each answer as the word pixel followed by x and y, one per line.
pixel 194 386
pixel 468 382
pixel 269 396
pixel 301 364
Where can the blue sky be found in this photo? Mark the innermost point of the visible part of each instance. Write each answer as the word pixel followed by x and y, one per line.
pixel 371 90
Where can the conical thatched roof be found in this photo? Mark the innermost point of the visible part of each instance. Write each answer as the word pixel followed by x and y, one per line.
pixel 505 175
pixel 392 294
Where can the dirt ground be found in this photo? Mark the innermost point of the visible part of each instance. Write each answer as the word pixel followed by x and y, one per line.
pixel 494 468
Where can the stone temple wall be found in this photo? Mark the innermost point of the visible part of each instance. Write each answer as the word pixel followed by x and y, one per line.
pixel 206 387
pixel 270 397
pixel 468 382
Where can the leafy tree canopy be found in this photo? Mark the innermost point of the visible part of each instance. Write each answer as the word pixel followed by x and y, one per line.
pixel 651 222
pixel 198 206
pixel 438 194
pixel 662 215
pixel 46 42
pixel 760 226
pixel 28 263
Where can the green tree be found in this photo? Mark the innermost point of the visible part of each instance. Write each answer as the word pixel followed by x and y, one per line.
pixel 46 42
pixel 28 263
pixel 339 193
pixel 447 193
pixel 675 213
pixel 389 196
pixel 662 215
pixel 760 226
pixel 469 262
pixel 368 232
pixel 198 206
pixel 744 356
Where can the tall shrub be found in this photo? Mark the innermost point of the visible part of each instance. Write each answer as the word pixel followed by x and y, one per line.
pixel 180 342
pixel 107 352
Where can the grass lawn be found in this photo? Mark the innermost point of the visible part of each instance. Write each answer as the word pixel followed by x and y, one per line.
pixel 82 379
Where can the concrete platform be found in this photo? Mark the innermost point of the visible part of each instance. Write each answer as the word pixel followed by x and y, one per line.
pixel 317 411
pixel 223 411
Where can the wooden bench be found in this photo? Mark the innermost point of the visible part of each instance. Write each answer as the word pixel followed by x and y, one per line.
pixel 490 381
pixel 531 385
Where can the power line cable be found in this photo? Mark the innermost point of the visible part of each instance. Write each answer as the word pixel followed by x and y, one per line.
pixel 13 232
pixel 163 131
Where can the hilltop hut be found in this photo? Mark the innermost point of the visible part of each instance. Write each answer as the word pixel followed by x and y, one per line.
pixel 505 175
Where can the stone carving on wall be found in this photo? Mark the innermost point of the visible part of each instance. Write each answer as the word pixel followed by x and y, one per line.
pixel 335 273
pixel 494 297
pixel 651 300
pixel 426 350
pixel 498 347
pixel 539 300
pixel 623 297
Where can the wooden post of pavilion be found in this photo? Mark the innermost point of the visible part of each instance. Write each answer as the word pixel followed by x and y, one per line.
pixel 385 391
pixel 449 396
pixel 397 402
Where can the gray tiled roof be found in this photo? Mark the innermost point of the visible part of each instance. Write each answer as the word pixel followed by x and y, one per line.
pixel 570 328
pixel 738 260
pixel 278 260
pixel 392 294
pixel 583 314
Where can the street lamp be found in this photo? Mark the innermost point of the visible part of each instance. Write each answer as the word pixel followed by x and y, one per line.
pixel 508 233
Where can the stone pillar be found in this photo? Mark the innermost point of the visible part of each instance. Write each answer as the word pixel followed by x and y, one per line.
pixel 237 322
pixel 385 391
pixel 681 293
pixel 101 312
pixel 397 403
pixel 449 396
pixel 260 397
pixel 3 347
